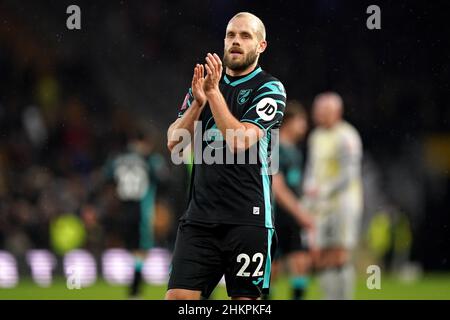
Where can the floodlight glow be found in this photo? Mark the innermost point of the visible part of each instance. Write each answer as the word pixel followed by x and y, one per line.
pixel 8 270
pixel 118 266
pixel 81 264
pixel 42 263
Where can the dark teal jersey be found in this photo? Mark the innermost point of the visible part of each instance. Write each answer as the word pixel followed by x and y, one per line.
pixel 136 180
pixel 134 175
pixel 237 193
pixel 291 162
pixel 290 166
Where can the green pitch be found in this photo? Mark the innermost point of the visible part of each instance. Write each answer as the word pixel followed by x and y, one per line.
pixel 431 286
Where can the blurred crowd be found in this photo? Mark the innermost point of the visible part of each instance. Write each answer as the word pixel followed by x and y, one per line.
pixel 54 144
pixel 52 152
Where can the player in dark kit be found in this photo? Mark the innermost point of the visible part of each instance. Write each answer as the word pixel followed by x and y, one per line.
pixel 137 172
pixel 228 227
pixel 293 223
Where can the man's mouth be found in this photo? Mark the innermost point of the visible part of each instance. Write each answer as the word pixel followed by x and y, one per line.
pixel 235 52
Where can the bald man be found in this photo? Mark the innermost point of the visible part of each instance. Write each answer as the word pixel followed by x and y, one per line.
pixel 228 226
pixel 333 193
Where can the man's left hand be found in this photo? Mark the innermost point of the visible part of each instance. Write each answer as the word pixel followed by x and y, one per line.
pixel 214 69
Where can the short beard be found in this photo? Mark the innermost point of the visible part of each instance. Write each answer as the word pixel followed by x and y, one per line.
pixel 239 66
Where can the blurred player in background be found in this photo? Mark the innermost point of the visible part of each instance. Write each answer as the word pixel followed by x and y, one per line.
pixel 137 172
pixel 289 215
pixel 333 193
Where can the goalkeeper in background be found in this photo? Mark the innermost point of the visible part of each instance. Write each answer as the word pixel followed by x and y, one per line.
pixel 333 194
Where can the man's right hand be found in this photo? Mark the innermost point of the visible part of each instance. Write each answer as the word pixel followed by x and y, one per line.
pixel 193 113
pixel 305 220
pixel 197 85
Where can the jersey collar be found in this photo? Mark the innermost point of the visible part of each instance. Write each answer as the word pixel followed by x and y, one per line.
pixel 234 81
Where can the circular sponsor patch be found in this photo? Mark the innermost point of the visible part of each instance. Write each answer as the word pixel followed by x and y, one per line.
pixel 266 109
pixel 212 135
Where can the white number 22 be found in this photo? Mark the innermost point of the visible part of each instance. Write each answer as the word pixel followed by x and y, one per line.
pixel 257 256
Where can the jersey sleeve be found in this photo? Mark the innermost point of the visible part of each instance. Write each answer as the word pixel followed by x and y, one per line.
pixel 350 154
pixel 266 109
pixel 350 147
pixel 108 170
pixel 188 99
pixel 158 167
pixel 308 180
pixel 283 165
pixel 160 175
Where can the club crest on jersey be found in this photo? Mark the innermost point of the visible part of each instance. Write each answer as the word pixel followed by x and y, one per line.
pixel 244 95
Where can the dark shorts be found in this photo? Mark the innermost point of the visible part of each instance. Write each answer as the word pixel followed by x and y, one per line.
pixel 131 224
pixel 205 253
pixel 291 238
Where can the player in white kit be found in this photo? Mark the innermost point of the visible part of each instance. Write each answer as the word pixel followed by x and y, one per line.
pixel 333 193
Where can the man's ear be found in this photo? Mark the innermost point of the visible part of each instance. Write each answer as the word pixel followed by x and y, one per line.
pixel 262 46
